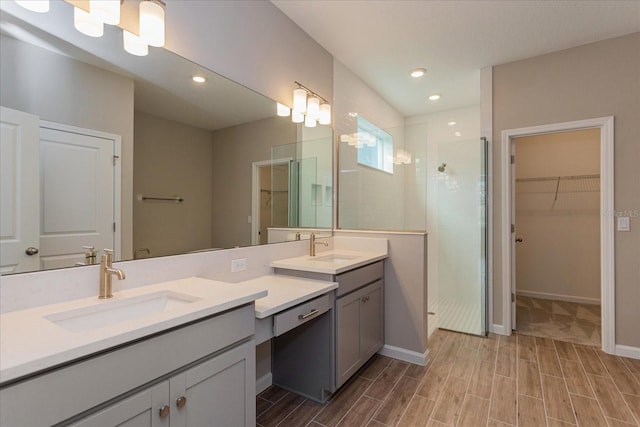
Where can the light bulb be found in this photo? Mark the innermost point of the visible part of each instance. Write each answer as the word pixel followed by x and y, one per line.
pixel 40 6
pixel 297 116
pixel 108 11
pixel 152 23
pixel 134 44
pixel 87 24
pixel 325 114
pixel 300 100
pixel 282 110
pixel 309 121
pixel 313 107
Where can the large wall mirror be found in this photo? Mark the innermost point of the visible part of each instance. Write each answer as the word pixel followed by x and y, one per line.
pixel 134 144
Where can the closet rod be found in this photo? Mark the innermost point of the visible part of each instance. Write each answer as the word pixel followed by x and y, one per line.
pixel 175 199
pixel 555 178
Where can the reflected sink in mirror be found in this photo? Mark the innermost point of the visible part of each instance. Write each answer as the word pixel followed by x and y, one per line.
pixel 335 258
pixel 116 311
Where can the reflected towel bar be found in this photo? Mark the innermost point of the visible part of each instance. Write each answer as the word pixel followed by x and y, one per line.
pixel 174 199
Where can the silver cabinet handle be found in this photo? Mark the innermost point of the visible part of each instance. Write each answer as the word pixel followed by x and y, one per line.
pixel 309 314
pixel 31 251
pixel 365 299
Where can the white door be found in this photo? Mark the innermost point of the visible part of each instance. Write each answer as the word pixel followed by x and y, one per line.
pixel 19 193
pixel 77 194
pixel 513 235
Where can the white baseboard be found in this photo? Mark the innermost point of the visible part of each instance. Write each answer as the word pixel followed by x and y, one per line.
pixel 263 383
pixel 405 355
pixel 557 297
pixel 499 329
pixel 627 351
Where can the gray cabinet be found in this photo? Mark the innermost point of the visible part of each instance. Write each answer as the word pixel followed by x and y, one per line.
pixel 359 329
pixel 211 362
pixel 212 393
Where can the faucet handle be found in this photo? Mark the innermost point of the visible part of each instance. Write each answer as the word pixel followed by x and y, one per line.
pixel 109 255
pixel 108 251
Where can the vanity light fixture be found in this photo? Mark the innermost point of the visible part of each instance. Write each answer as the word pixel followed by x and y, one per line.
pixel 309 107
pixel 418 72
pixel 434 97
pixel 198 79
pixel 40 6
pixel 89 17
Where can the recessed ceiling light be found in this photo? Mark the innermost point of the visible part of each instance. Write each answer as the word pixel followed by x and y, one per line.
pixel 418 72
pixel 199 79
pixel 452 123
pixel 434 97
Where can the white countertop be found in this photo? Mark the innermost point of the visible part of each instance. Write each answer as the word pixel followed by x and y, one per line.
pixel 318 265
pixel 29 342
pixel 286 292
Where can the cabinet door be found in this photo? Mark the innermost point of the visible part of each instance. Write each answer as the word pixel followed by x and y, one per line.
pixel 347 337
pixel 217 392
pixel 371 320
pixel 139 410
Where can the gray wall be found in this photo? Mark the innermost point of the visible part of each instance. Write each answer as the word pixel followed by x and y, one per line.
pixel 70 92
pixel 595 80
pixel 171 159
pixel 252 43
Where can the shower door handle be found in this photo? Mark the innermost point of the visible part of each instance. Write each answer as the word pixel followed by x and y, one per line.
pixel 519 240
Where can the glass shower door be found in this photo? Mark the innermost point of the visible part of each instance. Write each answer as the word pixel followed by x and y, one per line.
pixel 462 236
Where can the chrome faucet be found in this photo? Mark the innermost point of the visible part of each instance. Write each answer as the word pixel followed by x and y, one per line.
pixel 313 243
pixel 106 271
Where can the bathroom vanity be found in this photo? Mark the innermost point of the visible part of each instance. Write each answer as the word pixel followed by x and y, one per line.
pixel 181 366
pixel 352 332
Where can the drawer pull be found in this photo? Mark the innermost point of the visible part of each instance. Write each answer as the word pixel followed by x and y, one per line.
pixel 164 411
pixel 309 314
pixel 365 299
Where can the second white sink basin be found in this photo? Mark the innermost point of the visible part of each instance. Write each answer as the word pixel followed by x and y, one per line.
pixel 334 258
pixel 111 312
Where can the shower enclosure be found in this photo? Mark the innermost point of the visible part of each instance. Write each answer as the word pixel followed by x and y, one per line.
pixel 461 303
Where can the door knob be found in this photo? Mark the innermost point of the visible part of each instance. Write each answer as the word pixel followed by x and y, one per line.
pixel 519 240
pixel 31 251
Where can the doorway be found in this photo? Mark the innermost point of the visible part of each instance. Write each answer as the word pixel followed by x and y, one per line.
pixel 509 231
pixel 271 188
pixel 557 209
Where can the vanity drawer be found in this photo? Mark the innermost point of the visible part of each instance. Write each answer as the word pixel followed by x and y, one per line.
pixel 296 316
pixel 354 279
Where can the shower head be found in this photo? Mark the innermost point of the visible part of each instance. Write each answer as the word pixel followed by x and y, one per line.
pixel 442 167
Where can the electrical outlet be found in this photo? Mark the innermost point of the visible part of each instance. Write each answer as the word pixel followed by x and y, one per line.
pixel 239 264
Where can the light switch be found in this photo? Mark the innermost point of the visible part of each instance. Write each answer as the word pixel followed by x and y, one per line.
pixel 623 223
pixel 239 264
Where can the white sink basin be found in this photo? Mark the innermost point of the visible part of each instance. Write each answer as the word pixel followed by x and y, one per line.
pixel 334 258
pixel 111 312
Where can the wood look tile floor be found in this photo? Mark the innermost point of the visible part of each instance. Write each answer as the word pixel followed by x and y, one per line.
pixel 470 381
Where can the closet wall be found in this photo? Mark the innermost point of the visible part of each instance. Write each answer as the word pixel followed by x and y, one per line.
pixel 557 216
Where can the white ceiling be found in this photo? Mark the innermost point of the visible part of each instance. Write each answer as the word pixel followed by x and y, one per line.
pixel 382 40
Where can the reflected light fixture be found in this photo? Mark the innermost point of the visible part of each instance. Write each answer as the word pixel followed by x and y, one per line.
pixel 107 11
pixel 87 23
pixel 90 16
pixel 451 123
pixel 434 97
pixel 198 79
pixel 40 6
pixel 418 72
pixel 282 110
pixel 134 44
pixel 309 107
pixel 152 22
